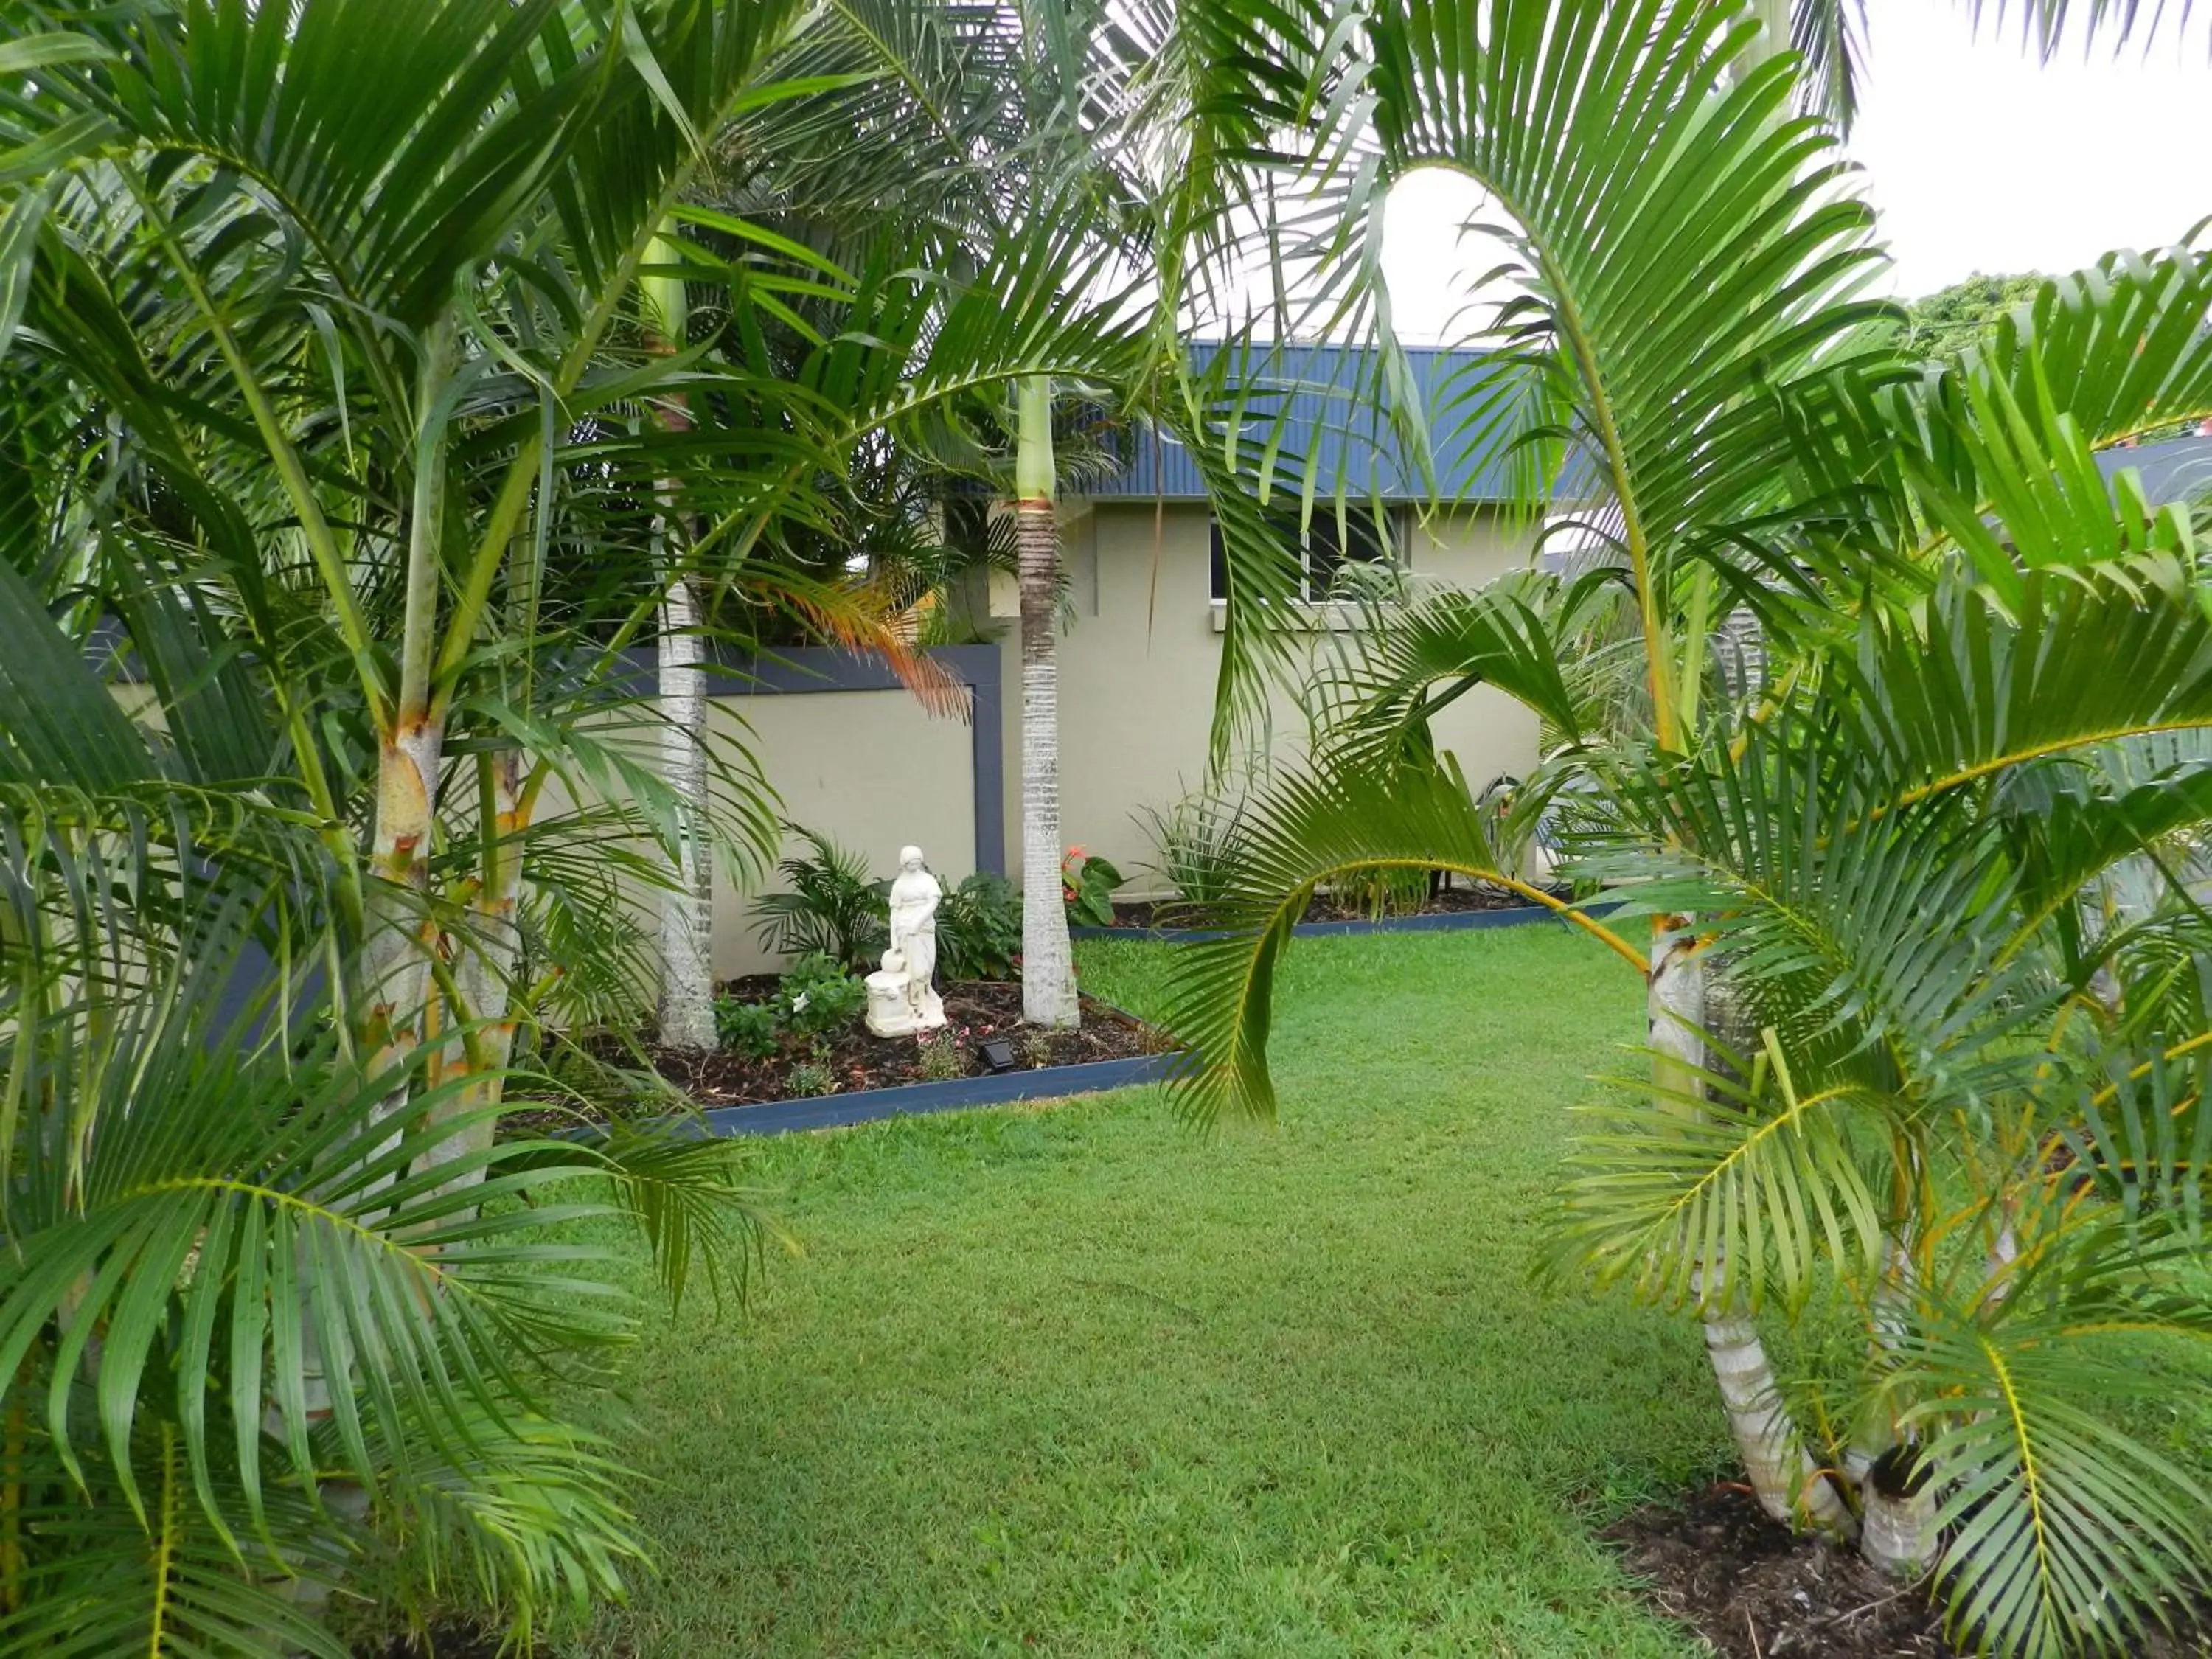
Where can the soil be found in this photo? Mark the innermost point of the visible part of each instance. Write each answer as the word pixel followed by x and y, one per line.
pixel 1449 901
pixel 1754 1590
pixel 977 1011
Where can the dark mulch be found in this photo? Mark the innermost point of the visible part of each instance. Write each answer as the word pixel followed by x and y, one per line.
pixel 1755 1590
pixel 977 1010
pixel 1449 901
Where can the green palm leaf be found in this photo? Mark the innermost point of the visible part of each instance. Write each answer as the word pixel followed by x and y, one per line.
pixel 2067 1530
pixel 1657 351
pixel 1754 1174
pixel 1967 691
pixel 1306 831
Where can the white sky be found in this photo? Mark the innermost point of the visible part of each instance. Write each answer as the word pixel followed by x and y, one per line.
pixel 1978 158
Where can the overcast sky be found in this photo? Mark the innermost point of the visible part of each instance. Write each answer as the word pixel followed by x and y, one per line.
pixel 1978 158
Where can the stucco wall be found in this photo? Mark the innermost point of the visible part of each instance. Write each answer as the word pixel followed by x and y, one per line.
pixel 1139 662
pixel 871 769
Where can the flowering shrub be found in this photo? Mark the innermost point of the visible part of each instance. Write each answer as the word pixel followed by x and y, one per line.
pixel 1086 885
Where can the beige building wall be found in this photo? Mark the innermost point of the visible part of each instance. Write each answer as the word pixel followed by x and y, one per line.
pixel 1142 655
pixel 1138 663
pixel 871 769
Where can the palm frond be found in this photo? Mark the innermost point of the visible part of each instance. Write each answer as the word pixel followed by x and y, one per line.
pixel 1976 685
pixel 1744 1188
pixel 1722 216
pixel 2066 1530
pixel 1414 660
pixel 1306 831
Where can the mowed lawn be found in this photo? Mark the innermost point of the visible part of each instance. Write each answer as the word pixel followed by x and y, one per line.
pixel 1079 1380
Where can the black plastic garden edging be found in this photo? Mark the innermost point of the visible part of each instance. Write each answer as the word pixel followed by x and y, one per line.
pixel 776 1117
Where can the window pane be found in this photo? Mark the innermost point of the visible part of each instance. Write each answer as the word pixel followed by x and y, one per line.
pixel 1325 549
pixel 1328 550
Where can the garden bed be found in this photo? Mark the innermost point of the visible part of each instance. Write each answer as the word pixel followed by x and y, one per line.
pixel 855 1058
pixel 1755 1590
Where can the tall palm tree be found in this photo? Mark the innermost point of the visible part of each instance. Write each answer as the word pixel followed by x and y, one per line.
pixel 1044 127
pixel 1048 996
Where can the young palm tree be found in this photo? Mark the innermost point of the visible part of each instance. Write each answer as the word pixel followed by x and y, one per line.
pixel 1684 348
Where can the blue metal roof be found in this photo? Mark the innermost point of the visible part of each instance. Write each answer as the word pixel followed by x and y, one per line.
pixel 2176 469
pixel 1327 417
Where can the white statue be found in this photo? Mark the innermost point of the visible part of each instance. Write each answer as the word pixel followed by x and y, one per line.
pixel 901 1001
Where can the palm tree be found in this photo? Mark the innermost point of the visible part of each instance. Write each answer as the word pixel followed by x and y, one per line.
pixel 1684 348
pixel 1892 1098
pixel 1048 964
pixel 319 317
pixel 1056 143
pixel 399 311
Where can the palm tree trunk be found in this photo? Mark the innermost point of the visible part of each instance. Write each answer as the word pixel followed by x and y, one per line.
pixel 395 970
pixel 1049 997
pixel 1887 1314
pixel 398 935
pixel 1782 1475
pixel 687 976
pixel 1899 1534
pixel 483 975
pixel 687 972
pixel 1897 1505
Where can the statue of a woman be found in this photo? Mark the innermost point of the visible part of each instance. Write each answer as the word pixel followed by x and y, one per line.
pixel 914 897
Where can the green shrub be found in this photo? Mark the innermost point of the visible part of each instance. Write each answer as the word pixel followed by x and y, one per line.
pixel 1196 844
pixel 810 1078
pixel 750 1029
pixel 943 1056
pixel 833 907
pixel 816 996
pixel 979 929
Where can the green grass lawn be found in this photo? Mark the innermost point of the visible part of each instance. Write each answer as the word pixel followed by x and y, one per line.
pixel 1079 1380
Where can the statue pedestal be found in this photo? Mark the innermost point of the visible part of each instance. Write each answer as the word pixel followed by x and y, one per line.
pixel 889 1014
